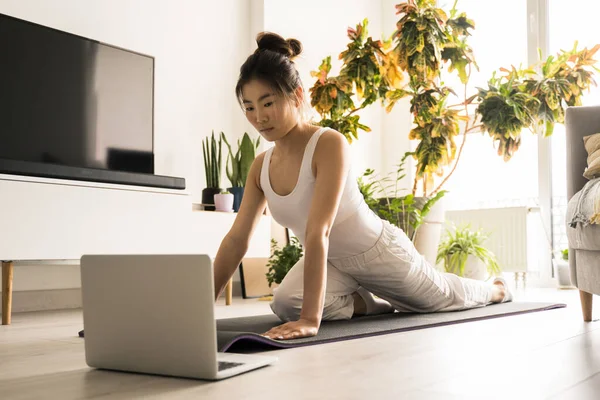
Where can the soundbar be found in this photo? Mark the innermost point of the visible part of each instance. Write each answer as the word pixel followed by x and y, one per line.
pixel 45 170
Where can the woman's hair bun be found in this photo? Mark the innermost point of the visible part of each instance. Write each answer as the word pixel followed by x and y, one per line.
pixel 290 48
pixel 295 47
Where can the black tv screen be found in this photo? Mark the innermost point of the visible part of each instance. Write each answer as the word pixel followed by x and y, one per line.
pixel 75 108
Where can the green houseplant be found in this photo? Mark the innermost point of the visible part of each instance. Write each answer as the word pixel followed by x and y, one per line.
pixel 463 245
pixel 238 165
pixel 428 44
pixel 431 42
pixel 282 260
pixel 211 150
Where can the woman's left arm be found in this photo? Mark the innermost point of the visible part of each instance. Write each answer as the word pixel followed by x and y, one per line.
pixel 332 162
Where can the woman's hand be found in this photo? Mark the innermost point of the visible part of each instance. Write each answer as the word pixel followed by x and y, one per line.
pixel 293 330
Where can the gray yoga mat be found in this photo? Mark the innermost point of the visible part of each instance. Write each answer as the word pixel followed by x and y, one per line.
pixel 243 334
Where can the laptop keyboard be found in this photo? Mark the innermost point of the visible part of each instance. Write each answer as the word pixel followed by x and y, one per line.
pixel 223 365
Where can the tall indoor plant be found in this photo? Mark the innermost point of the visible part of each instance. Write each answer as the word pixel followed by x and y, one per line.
pixel 427 43
pixel 211 150
pixel 238 165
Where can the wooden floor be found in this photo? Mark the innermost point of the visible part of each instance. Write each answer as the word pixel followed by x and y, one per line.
pixel 550 354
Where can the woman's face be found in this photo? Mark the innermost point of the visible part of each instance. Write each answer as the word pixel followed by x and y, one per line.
pixel 271 114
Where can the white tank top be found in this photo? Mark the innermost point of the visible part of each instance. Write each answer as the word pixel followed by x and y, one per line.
pixel 355 228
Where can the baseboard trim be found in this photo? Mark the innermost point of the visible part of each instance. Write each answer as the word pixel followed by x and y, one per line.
pixel 44 300
pixel 61 299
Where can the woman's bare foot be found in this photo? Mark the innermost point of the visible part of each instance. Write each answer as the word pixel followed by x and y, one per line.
pixel 500 291
pixel 360 308
pixel 366 304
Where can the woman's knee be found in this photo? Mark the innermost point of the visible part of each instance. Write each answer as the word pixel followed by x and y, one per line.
pixel 287 306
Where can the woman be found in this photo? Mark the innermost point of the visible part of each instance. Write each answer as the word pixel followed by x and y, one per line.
pixel 306 180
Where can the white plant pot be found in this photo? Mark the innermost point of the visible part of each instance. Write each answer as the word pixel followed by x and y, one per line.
pixel 429 233
pixel 563 274
pixel 475 269
pixel 224 202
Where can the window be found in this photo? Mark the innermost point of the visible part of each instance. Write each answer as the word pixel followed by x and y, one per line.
pixel 567 24
pixel 482 179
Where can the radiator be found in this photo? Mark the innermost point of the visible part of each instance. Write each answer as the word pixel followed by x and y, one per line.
pixel 514 234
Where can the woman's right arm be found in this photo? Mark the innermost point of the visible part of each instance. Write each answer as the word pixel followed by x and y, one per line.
pixel 235 244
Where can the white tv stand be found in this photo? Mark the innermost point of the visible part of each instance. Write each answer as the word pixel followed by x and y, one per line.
pixel 53 219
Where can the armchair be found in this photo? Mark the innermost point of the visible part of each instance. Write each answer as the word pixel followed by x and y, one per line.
pixel 584 241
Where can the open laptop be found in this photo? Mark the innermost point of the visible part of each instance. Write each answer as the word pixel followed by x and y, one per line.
pixel 154 314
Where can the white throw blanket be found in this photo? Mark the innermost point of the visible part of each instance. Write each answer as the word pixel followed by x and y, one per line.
pixel 587 210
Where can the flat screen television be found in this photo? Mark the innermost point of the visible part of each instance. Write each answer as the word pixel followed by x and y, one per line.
pixel 75 108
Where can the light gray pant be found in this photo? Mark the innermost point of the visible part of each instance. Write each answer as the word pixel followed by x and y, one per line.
pixel 393 270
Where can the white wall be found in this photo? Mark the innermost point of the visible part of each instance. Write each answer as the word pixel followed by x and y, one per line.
pixel 199 46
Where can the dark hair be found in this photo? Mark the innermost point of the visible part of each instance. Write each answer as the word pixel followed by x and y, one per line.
pixel 272 63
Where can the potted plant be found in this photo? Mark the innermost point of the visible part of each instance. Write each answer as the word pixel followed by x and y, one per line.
pixel 282 260
pixel 238 166
pixel 431 42
pixel 428 45
pixel 211 149
pixel 224 201
pixel 405 211
pixel 462 253
pixel 561 269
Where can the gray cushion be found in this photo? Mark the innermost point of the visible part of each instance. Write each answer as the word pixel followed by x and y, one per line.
pixel 592 146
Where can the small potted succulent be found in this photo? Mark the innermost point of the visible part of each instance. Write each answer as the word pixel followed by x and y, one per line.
pixel 224 201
